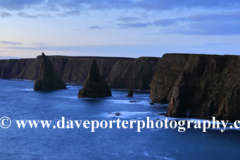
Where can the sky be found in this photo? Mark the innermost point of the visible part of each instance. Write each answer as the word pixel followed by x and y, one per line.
pixel 118 28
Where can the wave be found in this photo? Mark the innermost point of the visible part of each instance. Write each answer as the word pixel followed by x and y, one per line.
pixel 125 114
pixel 136 102
pixel 156 156
pixel 26 89
pixel 26 80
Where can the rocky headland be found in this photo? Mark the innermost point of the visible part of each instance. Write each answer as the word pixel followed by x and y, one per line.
pixel 94 86
pixel 48 79
pixel 208 85
pixel 118 72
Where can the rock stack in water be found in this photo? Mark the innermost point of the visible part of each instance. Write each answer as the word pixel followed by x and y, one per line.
pixel 48 79
pixel 94 86
pixel 130 92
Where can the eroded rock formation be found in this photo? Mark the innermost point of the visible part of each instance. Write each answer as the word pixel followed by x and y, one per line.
pixel 130 92
pixel 208 85
pixel 48 80
pixel 118 72
pixel 94 86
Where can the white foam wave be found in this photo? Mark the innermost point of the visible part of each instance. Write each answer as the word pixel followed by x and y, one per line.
pixel 125 114
pixel 156 156
pixel 122 101
pixel 134 102
pixel 26 89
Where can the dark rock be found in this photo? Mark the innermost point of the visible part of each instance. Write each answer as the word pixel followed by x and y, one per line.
pixel 168 70
pixel 151 103
pixel 69 69
pixel 48 80
pixel 130 92
pixel 7 68
pixel 117 114
pixel 208 85
pixel 94 86
pixel 163 114
pixel 139 73
pixel 118 72
pixel 132 101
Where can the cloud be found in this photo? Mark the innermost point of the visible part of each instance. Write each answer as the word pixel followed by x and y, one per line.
pixel 134 25
pixel 221 16
pixel 152 4
pixel 120 4
pixel 5 14
pixel 19 4
pixel 25 15
pixel 95 27
pixel 212 23
pixel 10 43
pixel 209 28
pixel 223 23
pixel 173 4
pixel 165 22
pixel 70 13
pixel 161 22
pixel 128 19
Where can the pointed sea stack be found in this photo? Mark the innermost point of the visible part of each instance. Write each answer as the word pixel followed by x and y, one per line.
pixel 48 79
pixel 94 86
pixel 130 92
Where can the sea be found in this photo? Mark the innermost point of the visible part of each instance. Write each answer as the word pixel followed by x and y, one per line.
pixel 18 101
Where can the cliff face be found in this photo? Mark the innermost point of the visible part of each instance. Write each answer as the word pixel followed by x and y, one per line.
pixel 70 69
pixel 137 74
pixel 94 86
pixel 166 75
pixel 208 85
pixel 48 80
pixel 76 70
pixel 118 72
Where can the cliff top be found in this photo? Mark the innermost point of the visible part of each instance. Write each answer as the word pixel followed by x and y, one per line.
pixel 199 54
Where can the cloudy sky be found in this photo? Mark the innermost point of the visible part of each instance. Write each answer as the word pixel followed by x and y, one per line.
pixel 119 28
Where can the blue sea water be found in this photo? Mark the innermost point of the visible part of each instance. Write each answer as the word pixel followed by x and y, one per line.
pixel 18 101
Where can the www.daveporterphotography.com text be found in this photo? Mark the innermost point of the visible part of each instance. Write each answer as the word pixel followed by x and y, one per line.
pixel 139 125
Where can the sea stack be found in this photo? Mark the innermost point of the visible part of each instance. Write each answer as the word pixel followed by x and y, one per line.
pixel 94 86
pixel 48 79
pixel 130 92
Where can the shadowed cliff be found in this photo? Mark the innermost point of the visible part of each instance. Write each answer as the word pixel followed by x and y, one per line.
pixel 208 85
pixel 137 74
pixel 118 72
pixel 48 79
pixel 70 69
pixel 94 86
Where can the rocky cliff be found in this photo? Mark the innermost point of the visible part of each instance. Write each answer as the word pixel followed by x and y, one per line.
pixel 118 72
pixel 48 79
pixel 70 69
pixel 94 86
pixel 137 74
pixel 208 85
